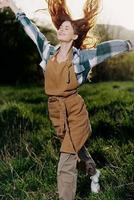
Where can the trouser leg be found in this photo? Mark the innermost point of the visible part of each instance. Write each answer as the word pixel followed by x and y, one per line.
pixel 88 160
pixel 90 169
pixel 67 176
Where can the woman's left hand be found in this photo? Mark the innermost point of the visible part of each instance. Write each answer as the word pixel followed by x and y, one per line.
pixel 4 3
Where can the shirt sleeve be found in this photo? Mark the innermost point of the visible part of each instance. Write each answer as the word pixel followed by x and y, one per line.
pixel 33 32
pixel 105 50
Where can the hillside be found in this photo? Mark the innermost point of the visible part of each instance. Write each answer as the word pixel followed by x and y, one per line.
pixel 117 32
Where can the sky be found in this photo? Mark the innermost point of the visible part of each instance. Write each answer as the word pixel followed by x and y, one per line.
pixel 117 12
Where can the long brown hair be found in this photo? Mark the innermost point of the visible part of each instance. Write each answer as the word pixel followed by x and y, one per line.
pixel 60 13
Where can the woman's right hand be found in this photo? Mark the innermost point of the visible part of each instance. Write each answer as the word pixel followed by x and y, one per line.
pixel 9 3
pixel 5 3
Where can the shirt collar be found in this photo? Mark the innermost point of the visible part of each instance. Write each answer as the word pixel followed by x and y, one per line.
pixel 57 47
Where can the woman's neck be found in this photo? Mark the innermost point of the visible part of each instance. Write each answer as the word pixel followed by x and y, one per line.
pixel 64 49
pixel 63 52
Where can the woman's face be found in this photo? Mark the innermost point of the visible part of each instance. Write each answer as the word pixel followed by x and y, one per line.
pixel 66 32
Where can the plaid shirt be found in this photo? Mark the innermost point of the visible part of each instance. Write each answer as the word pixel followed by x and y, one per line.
pixel 83 60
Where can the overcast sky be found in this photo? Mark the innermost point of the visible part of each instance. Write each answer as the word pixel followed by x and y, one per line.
pixel 119 12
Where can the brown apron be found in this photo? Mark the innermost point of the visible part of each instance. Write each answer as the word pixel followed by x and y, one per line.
pixel 66 107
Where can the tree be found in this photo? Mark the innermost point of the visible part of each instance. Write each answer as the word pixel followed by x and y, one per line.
pixel 18 54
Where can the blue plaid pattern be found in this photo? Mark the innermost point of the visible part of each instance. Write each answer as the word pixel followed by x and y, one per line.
pixel 83 60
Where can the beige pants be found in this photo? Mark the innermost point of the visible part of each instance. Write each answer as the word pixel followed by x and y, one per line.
pixel 67 173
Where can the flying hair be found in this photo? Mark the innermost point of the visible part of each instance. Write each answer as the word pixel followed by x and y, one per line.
pixel 60 13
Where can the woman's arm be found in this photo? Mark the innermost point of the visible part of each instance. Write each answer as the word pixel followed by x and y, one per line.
pixel 105 50
pixel 31 30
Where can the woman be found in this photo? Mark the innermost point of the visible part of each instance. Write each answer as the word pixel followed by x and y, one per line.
pixel 65 68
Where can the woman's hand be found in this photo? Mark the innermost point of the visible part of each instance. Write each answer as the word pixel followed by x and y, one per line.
pixel 9 3
pixel 4 3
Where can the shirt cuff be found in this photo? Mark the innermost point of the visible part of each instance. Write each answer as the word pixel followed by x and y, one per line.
pixel 130 44
pixel 20 14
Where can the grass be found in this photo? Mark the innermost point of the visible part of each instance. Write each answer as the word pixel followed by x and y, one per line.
pixel 29 149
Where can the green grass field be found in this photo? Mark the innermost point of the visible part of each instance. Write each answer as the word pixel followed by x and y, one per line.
pixel 29 149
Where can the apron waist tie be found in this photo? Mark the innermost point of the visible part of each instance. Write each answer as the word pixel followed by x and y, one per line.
pixel 63 118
